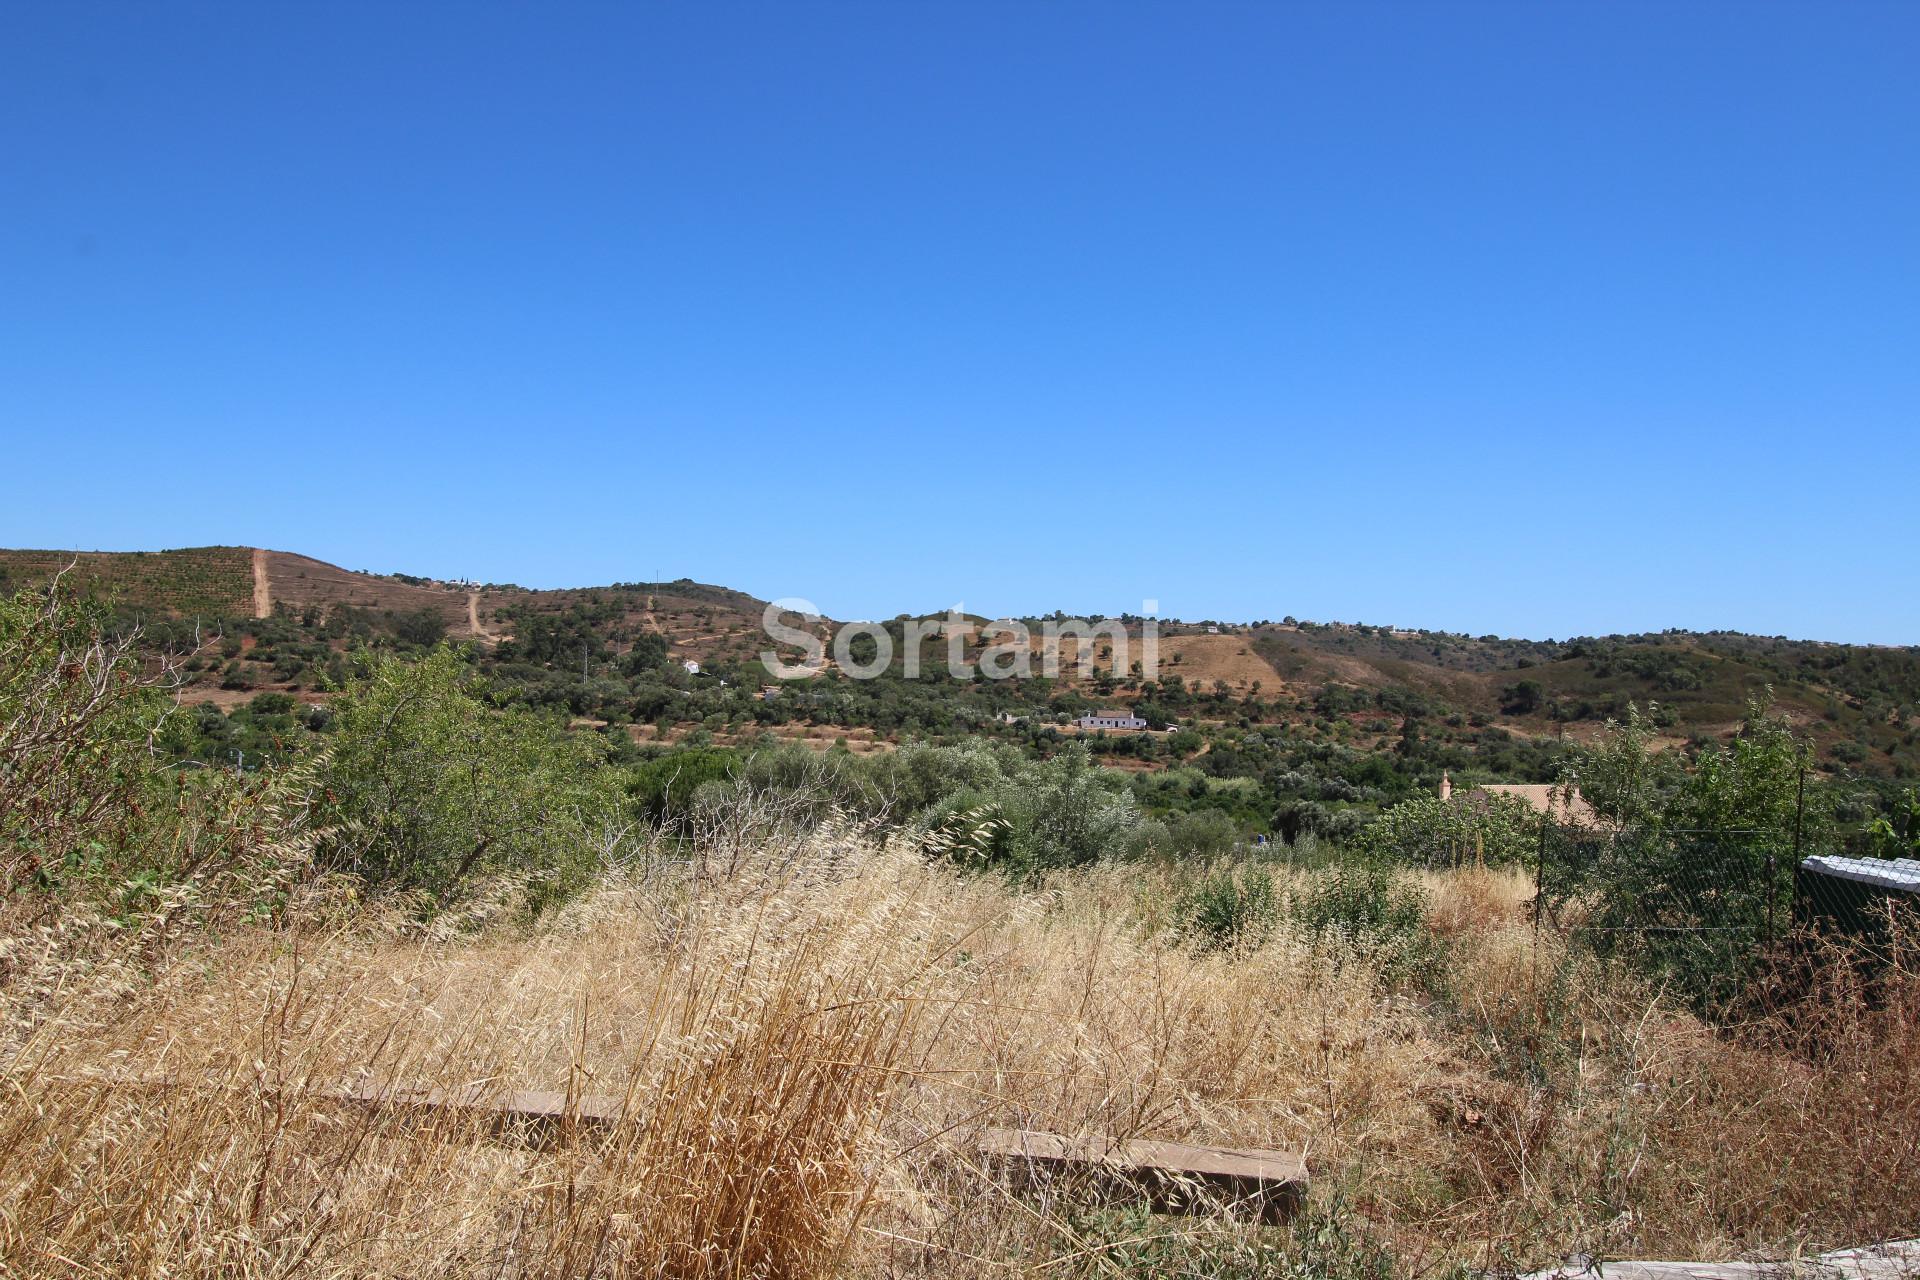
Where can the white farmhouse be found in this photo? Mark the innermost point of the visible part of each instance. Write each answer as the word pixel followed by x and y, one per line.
pixel 1111 720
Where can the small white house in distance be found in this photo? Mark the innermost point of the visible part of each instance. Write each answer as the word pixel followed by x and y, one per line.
pixel 692 667
pixel 1111 720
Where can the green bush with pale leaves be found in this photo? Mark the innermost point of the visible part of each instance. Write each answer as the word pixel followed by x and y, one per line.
pixel 429 789
pixel 1479 827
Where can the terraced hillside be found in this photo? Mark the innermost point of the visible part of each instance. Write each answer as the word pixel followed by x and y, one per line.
pixel 193 582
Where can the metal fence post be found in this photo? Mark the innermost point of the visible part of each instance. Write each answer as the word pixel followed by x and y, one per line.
pixel 1799 848
pixel 1540 879
pixel 1773 892
pixel 1539 902
pixel 1799 813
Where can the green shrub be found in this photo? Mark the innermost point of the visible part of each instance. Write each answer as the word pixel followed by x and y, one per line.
pixel 1370 905
pixel 1475 827
pixel 993 806
pixel 75 720
pixel 271 704
pixel 1207 833
pixel 429 789
pixel 1228 906
pixel 664 788
pixel 1330 1243
pixel 87 810
pixel 1141 1245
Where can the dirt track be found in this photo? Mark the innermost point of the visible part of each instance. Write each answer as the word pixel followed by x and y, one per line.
pixel 262 589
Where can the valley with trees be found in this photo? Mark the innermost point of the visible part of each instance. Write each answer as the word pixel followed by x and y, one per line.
pixel 1342 721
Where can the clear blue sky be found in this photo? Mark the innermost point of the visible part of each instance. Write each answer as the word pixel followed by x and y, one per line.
pixel 1539 319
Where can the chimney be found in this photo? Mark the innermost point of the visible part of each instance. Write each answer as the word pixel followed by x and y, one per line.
pixel 1446 786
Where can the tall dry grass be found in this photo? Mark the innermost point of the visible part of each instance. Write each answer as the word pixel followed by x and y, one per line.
pixel 806 1045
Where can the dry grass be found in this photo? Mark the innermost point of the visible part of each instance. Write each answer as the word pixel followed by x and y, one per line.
pixel 805 1050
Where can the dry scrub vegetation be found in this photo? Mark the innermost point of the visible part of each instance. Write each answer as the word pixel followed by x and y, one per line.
pixel 806 1046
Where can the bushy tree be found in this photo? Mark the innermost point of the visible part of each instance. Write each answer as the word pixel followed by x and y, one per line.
pixel 1622 778
pixel 1202 833
pixel 1690 869
pixel 1755 784
pixel 1032 815
pixel 665 788
pixel 75 725
pixel 1065 811
pixel 88 805
pixel 420 626
pixel 1895 833
pixel 1523 698
pixel 649 652
pixel 428 788
pixel 1475 827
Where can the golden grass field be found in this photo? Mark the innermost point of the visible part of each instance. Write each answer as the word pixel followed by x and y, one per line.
pixel 808 1043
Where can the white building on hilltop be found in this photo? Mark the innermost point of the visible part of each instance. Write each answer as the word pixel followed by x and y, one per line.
pixel 1111 720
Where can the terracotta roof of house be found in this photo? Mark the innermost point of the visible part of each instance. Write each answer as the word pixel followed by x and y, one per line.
pixel 1545 797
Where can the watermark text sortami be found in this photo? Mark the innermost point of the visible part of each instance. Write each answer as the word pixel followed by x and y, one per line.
pixel 1003 649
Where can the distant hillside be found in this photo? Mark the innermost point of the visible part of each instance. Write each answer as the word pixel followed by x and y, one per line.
pixel 242 582
pixel 1861 704
pixel 301 583
pixel 209 581
pixel 698 621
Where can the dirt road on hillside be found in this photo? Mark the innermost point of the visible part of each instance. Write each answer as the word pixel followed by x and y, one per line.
pixel 262 592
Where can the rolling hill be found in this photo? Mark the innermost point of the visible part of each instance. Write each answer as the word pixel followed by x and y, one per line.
pixel 1861 704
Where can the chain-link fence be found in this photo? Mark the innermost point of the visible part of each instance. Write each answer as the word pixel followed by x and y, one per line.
pixel 1695 908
